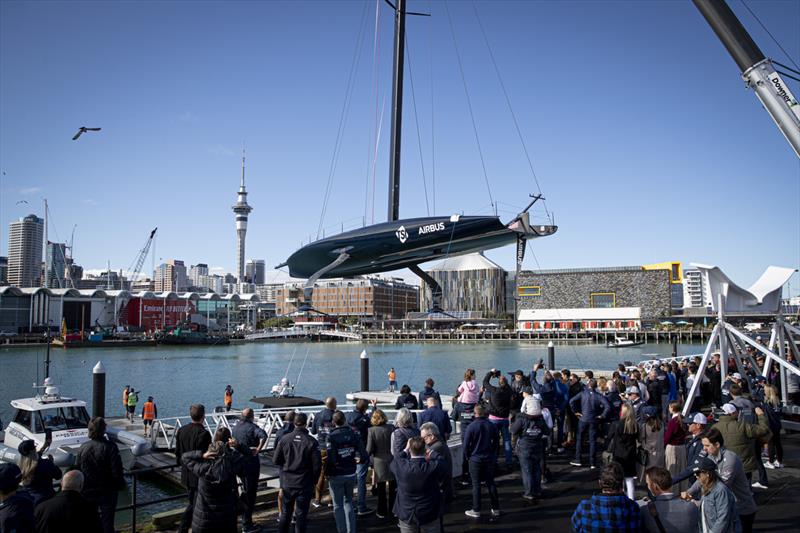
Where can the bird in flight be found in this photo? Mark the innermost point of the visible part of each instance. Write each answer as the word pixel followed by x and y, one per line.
pixel 22 202
pixel 82 130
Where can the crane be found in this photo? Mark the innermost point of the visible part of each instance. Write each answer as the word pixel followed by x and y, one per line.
pixel 139 261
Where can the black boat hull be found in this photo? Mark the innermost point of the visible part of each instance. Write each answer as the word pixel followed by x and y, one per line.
pixel 404 243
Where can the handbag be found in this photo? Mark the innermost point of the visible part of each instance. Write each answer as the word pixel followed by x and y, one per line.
pixel 608 454
pixel 642 456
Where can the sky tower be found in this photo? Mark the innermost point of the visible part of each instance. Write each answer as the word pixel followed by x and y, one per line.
pixel 241 209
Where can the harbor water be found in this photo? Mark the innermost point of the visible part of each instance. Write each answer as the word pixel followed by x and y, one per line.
pixel 177 376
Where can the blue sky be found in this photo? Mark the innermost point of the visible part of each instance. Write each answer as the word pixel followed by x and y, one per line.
pixel 643 138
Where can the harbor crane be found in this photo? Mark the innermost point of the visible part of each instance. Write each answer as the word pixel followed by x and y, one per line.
pixel 139 261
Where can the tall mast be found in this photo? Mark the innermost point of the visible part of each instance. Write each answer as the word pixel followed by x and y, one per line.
pixel 757 71
pixel 45 245
pixel 397 109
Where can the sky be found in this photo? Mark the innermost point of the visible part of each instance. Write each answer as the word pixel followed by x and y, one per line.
pixel 638 128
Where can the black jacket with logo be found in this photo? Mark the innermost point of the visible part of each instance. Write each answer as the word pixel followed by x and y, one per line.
pixel 344 445
pixel 297 455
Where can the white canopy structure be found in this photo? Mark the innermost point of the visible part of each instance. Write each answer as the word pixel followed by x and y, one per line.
pixel 763 296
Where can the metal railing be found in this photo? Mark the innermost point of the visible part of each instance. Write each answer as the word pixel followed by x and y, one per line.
pixel 270 420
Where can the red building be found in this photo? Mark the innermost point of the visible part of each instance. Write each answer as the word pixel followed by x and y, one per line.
pixel 158 313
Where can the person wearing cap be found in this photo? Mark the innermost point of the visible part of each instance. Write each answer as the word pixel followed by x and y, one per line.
pixel 610 510
pixel 717 502
pixel 592 408
pixel 530 428
pixel 38 472
pixel 697 424
pixel 740 436
pixel 16 510
pixel 99 461
pixel 633 395
pixel 68 510
pixel 731 473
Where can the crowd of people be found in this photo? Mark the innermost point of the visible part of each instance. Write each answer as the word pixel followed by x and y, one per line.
pixel 693 473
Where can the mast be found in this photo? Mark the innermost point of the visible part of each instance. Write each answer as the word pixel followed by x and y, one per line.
pixel 45 245
pixel 397 110
pixel 757 71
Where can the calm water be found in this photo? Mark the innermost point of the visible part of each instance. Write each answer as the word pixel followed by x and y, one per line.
pixel 179 376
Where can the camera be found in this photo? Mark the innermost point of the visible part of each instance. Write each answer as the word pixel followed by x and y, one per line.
pixel 497 373
pixel 541 361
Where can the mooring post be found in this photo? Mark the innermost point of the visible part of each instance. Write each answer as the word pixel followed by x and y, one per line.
pixel 551 356
pixel 99 390
pixel 675 345
pixel 364 371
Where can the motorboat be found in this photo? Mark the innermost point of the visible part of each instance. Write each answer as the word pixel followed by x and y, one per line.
pixel 623 343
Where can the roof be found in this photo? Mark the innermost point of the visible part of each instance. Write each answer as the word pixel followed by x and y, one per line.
pixel 476 261
pixel 93 293
pixel 764 295
pixel 35 290
pixel 36 404
pixel 10 290
pixel 68 293
pixel 117 293
pixel 582 313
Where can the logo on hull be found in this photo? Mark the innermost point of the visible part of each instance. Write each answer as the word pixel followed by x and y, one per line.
pixel 402 234
pixel 431 228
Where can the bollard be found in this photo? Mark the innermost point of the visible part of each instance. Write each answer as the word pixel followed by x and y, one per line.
pixel 551 356
pixel 99 390
pixel 675 345
pixel 364 371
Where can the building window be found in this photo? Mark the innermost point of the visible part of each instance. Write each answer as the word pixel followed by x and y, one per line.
pixel 529 290
pixel 603 299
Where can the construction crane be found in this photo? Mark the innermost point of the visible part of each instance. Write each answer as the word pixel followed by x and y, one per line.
pixel 139 261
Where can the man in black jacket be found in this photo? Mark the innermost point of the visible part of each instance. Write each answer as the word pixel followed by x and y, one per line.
pixel 480 446
pixel 251 440
pixel 500 409
pixel 321 428
pixel 419 501
pixel 345 451
pixel 98 459
pixel 68 510
pixel 592 408
pixel 465 414
pixel 359 420
pixel 297 455
pixel 189 438
pixel 429 392
pixel 16 510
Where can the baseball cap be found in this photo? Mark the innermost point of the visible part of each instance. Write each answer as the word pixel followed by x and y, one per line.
pixel 736 375
pixel 517 372
pixel 729 408
pixel 533 407
pixel 699 418
pixel 26 447
pixel 650 411
pixel 632 390
pixel 10 476
pixel 760 378
pixel 704 464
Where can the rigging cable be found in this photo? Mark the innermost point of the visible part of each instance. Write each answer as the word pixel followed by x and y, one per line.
pixel 343 118
pixel 770 34
pixel 286 374
pixel 377 124
pixel 303 366
pixel 510 108
pixel 433 131
pixel 469 102
pixel 416 122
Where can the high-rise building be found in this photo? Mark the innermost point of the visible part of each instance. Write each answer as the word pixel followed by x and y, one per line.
pixel 200 269
pixel 695 291
pixel 3 270
pixel 241 209
pixel 256 271
pixel 25 251
pixel 171 276
pixel 55 265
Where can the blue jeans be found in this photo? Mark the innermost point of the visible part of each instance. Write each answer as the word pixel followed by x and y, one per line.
pixel 530 463
pixel 341 488
pixel 361 478
pixel 582 426
pixel 502 425
pixel 483 471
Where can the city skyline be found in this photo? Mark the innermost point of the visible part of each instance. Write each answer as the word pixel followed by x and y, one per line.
pixel 641 166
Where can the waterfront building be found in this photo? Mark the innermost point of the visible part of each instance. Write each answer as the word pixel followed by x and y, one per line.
pixel 141 285
pixel 241 209
pixel 364 297
pixel 469 282
pixel 104 280
pixel 255 271
pixel 585 319
pixel 25 251
pixel 3 270
pixel 675 280
pixel 268 292
pixel 171 276
pixel 55 265
pixel 696 293
pixel 570 291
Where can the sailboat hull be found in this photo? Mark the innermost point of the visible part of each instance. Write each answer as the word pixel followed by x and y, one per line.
pixel 403 243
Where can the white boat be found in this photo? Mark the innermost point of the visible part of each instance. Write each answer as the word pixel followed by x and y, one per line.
pixel 623 343
pixel 67 421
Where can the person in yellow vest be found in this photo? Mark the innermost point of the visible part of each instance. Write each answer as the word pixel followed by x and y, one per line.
pixel 125 392
pixel 149 413
pixel 228 397
pixel 392 379
pixel 133 399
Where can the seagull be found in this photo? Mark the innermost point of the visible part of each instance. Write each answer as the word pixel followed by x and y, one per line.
pixel 22 202
pixel 82 130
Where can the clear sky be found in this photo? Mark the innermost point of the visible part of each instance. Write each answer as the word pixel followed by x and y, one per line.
pixel 645 142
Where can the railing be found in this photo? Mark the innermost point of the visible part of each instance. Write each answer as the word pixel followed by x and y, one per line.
pixel 270 420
